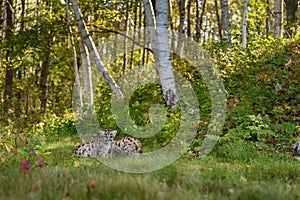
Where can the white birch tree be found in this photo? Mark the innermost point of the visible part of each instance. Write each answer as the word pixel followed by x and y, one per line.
pixel 93 50
pixel 158 33
pixel 244 27
pixel 76 73
pixel 278 14
pixel 87 73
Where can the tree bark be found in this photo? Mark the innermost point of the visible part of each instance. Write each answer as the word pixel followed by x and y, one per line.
pixel 244 27
pixel 85 59
pixel 87 73
pixel 199 20
pixel 94 52
pixel 181 8
pixel 189 30
pixel 1 31
pixel 134 35
pixel 226 21
pixel 9 65
pixel 125 60
pixel 171 26
pixel 22 14
pixel 278 7
pixel 149 12
pixel 159 41
pixel 218 19
pixel 45 82
pixel 268 18
pixel 164 64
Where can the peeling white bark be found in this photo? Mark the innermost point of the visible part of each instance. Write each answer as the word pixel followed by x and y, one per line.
pixel 158 33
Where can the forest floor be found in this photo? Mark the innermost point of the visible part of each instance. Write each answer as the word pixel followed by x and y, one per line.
pixel 239 175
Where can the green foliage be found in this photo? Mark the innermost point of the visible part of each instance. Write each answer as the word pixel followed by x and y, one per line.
pixel 253 128
pixel 55 125
pixel 7 142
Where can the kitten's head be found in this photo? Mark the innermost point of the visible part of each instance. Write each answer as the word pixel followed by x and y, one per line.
pixel 296 147
pixel 108 134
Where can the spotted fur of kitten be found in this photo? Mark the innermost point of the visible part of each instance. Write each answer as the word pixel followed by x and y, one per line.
pixel 296 148
pixel 97 147
pixel 126 146
pixel 106 145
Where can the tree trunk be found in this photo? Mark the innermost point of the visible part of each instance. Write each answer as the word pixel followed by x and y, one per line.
pixel 218 19
pixel 94 52
pixel 84 58
pixel 181 8
pixel 171 26
pixel 22 14
pixel 244 27
pixel 268 18
pixel 125 39
pixel 149 12
pixel 9 65
pixel 45 82
pixel 141 21
pixel 87 73
pixel 291 9
pixel 199 19
pixel 8 85
pixel 164 64
pixel 226 21
pixel 1 31
pixel 135 21
pixel 278 7
pixel 189 23
pixel 159 41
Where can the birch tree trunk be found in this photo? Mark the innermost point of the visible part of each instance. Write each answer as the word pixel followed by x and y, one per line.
pixel 136 5
pixel 278 10
pixel 76 73
pixel 244 27
pixel 149 12
pixel 125 60
pixel 226 21
pixel 164 64
pixel 161 49
pixel 87 73
pixel 94 52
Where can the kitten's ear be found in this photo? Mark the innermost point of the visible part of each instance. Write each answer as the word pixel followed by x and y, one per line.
pixel 114 133
pixel 101 133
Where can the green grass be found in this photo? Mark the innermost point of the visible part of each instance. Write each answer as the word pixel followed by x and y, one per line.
pixel 221 175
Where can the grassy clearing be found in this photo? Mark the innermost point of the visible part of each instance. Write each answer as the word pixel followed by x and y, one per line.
pixel 239 175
